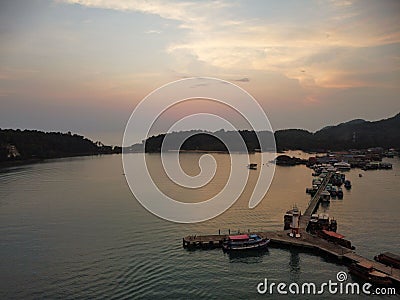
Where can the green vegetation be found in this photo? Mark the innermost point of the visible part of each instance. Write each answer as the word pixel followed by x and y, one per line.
pixel 33 144
pixel 23 145
pixel 356 134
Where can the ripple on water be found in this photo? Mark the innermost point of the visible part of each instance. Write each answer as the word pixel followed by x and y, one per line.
pixel 71 229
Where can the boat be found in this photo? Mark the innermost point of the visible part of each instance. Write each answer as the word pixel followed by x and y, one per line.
pixel 252 166
pixel 334 237
pixel 331 169
pixel 339 193
pixel 333 191
pixel 347 184
pixel 244 242
pixel 389 259
pixel 323 221
pixel 325 196
pixel 367 272
pixel 337 179
pixel 343 166
pixel 312 190
pixel 385 166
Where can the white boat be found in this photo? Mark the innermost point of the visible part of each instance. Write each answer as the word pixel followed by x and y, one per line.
pixel 325 196
pixel 342 165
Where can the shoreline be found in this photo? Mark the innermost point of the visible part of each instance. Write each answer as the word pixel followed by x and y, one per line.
pixel 32 161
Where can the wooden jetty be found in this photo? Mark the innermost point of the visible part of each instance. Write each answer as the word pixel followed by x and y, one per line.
pixel 305 241
pixel 314 202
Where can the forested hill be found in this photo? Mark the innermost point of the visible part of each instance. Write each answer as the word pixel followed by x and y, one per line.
pixel 356 134
pixel 32 144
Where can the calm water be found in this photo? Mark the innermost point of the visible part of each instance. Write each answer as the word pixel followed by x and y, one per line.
pixel 70 228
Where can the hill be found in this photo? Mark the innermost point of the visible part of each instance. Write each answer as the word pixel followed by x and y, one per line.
pixel 19 145
pixel 355 134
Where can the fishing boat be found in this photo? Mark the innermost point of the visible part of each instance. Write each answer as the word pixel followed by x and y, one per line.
pixel 389 259
pixel 244 242
pixel 333 191
pixel 325 196
pixel 367 272
pixel 252 166
pixel 343 166
pixel 347 184
pixel 339 193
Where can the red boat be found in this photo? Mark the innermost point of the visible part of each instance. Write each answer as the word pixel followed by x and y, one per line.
pixel 367 272
pixel 389 259
pixel 244 242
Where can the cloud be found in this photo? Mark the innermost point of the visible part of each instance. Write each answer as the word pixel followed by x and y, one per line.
pixel 16 73
pixel 327 41
pixel 153 31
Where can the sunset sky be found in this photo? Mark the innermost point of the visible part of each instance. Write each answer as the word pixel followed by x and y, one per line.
pixel 83 65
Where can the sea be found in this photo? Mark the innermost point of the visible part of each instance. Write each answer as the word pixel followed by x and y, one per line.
pixel 72 229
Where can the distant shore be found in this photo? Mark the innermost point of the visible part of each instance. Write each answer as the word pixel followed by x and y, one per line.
pixel 31 161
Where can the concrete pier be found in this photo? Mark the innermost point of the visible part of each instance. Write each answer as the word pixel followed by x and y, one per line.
pixel 306 241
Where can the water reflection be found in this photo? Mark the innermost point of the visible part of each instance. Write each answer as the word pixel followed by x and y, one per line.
pixel 325 205
pixel 294 265
pixel 247 257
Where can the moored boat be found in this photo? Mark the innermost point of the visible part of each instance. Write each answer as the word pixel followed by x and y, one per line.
pixel 244 242
pixel 325 196
pixel 343 166
pixel 339 193
pixel 333 191
pixel 366 271
pixel 389 259
pixel 347 184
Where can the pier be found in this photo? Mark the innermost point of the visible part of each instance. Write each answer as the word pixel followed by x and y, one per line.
pixel 306 241
pixel 314 203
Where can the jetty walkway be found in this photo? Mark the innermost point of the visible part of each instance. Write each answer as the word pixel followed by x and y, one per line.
pixel 307 241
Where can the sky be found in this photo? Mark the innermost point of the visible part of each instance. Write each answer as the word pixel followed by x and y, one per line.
pixel 84 65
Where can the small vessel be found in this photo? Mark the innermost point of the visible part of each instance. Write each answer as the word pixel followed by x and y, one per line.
pixel 334 237
pixel 339 193
pixel 325 196
pixel 385 166
pixel 343 166
pixel 333 191
pixel 316 182
pixel 347 184
pixel 389 259
pixel 252 166
pixel 333 225
pixel 367 272
pixel 244 242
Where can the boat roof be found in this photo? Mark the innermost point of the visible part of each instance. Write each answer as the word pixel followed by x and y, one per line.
pixel 391 255
pixel 333 234
pixel 239 237
pixel 253 236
